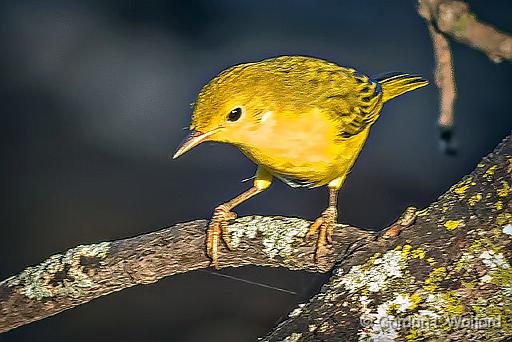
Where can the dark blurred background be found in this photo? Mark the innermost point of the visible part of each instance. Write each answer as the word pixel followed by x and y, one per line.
pixel 95 96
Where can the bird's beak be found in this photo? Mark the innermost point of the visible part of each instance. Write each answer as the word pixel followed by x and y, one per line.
pixel 193 139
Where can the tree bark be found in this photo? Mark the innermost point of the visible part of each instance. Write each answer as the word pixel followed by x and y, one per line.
pixel 446 277
pixel 454 261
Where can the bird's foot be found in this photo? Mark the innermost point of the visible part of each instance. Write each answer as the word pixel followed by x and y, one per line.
pixel 218 226
pixel 323 226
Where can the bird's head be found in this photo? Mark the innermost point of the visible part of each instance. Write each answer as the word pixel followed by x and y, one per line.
pixel 231 108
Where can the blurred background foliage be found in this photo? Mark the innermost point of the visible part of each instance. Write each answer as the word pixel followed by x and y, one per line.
pixel 94 99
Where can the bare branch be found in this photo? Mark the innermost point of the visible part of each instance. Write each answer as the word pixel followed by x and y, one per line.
pixel 454 18
pixel 445 81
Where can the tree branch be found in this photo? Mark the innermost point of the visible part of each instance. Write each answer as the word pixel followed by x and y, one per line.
pixel 83 273
pixel 453 19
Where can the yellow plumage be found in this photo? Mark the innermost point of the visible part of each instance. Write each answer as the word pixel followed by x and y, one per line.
pixel 301 119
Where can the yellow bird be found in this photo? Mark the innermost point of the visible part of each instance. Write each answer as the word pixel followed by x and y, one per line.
pixel 301 119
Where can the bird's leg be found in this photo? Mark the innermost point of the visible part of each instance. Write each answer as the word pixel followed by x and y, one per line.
pixel 324 225
pixel 223 214
pixel 219 223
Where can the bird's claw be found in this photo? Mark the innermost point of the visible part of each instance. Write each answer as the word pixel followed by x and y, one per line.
pixel 219 226
pixel 323 226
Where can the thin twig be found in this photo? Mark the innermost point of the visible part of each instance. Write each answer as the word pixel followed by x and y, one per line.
pixel 445 81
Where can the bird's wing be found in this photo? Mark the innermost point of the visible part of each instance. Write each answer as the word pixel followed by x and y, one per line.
pixel 353 102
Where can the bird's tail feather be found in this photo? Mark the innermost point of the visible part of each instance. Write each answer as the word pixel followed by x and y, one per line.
pixel 396 83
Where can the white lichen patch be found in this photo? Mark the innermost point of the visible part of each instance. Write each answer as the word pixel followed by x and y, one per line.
pixel 278 233
pixel 378 326
pixel 297 311
pixel 430 298
pixel 381 325
pixel 486 279
pixel 493 260
pixel 508 229
pixel 428 313
pixel 403 303
pixel 375 276
pixel 292 338
pixel 387 321
pixel 507 290
pixel 60 274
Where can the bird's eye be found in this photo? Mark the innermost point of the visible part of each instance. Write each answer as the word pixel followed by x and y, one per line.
pixel 235 114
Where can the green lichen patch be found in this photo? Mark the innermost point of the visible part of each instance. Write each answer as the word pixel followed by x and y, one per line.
pixel 494 308
pixel 462 187
pixel 408 252
pixel 422 212
pixel 278 233
pixel 434 278
pixel 490 171
pixel 473 200
pixel 503 218
pixel 498 205
pixel 67 274
pixel 452 224
pixel 504 190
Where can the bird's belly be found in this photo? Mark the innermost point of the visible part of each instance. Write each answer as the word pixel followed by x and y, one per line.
pixel 302 163
pixel 313 158
pixel 305 157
